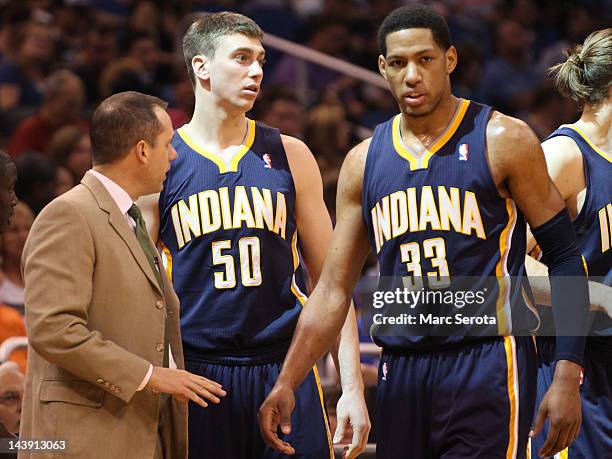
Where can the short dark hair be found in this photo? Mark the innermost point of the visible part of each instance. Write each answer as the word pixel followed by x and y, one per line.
pixel 414 17
pixel 121 121
pixel 203 35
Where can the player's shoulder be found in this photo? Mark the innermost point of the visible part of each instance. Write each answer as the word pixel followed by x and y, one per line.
pixel 503 127
pixel 355 161
pixel 359 153
pixel 298 153
pixel 562 146
pixel 293 145
pixel 565 163
pixel 510 140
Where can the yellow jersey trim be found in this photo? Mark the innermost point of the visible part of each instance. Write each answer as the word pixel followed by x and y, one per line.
pixel 584 264
pixel 510 347
pixel 296 262
pixel 215 158
pixel 423 161
pixel 501 271
pixel 320 390
pixel 167 259
pixel 587 140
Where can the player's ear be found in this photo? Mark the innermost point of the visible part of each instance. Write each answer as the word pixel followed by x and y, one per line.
pixel 200 66
pixel 382 66
pixel 451 59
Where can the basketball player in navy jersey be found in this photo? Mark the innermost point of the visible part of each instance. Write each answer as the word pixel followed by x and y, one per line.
pixel 238 203
pixel 439 192
pixel 579 160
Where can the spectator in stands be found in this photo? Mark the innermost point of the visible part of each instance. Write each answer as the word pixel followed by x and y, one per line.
pixel 280 107
pixel 328 35
pixel 36 184
pixel 159 24
pixel 63 102
pixel 21 75
pixel 99 48
pixel 510 78
pixel 547 112
pixel 70 150
pixel 8 199
pixel 12 325
pixel 12 241
pixel 64 181
pixel 122 75
pixel 466 77
pixel 12 16
pixel 182 99
pixel 576 23
pixel 143 48
pixel 11 395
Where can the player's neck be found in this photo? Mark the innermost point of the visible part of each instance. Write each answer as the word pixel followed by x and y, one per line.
pixel 216 126
pixel 430 126
pixel 596 122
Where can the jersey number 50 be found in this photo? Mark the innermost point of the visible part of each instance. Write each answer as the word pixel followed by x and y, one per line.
pixel 250 266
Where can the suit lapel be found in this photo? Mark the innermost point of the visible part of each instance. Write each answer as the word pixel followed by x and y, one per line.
pixel 120 225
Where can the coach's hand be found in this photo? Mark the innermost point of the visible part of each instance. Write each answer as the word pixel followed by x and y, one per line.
pixel 561 405
pixel 185 386
pixel 351 408
pixel 276 411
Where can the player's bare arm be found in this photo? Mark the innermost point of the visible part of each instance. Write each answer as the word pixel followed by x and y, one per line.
pixel 325 311
pixel 314 234
pixel 519 171
pixel 566 169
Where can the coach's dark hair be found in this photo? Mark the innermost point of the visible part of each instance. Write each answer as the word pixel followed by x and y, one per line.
pixel 414 17
pixel 120 122
pixel 586 75
pixel 204 34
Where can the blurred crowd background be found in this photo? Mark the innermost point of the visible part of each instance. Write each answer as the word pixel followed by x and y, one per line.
pixel 58 59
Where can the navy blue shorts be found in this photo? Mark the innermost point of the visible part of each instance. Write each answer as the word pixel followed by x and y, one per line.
pixel 595 438
pixel 474 401
pixel 230 430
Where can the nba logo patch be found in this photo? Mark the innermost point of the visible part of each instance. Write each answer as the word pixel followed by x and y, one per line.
pixel 268 160
pixel 463 152
pixel 385 370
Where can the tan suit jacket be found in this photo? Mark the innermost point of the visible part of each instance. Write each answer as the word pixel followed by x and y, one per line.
pixel 95 318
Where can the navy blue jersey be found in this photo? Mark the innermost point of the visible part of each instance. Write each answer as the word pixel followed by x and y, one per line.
pixel 593 224
pixel 438 218
pixel 230 239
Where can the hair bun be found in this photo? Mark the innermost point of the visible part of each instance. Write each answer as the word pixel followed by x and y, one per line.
pixel 576 60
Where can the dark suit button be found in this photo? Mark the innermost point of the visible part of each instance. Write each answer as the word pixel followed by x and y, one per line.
pixel 159 347
pixel 159 304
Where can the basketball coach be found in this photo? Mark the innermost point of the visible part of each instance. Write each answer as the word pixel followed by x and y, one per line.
pixel 104 376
